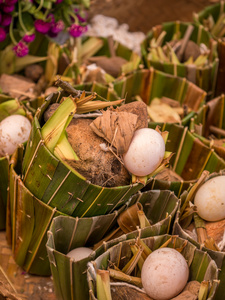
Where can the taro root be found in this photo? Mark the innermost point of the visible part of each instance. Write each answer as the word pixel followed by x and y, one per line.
pixel 34 72
pixel 191 50
pixel 99 163
pixel 96 165
pixel 111 65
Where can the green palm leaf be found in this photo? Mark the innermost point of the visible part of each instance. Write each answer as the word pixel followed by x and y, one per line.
pixel 30 220
pixel 150 84
pixel 187 150
pixel 204 76
pixel 217 256
pixel 67 233
pixel 60 187
pixel 201 266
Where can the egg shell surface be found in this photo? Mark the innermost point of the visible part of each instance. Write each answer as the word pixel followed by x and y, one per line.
pixel 164 273
pixel 145 153
pixel 14 130
pixel 210 199
pixel 79 253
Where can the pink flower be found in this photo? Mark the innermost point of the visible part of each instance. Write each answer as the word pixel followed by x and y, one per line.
pixel 58 1
pixel 76 30
pixel 57 27
pixel 21 49
pixel 6 20
pixel 8 8
pixel 9 2
pixel 29 38
pixel 42 26
pixel 2 34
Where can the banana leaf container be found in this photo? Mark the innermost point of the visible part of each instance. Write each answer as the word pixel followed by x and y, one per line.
pixel 191 157
pixel 66 233
pixel 203 75
pixel 29 219
pixel 208 124
pixel 201 266
pixel 181 228
pixel 48 179
pixel 147 84
pixel 211 17
pixel 8 106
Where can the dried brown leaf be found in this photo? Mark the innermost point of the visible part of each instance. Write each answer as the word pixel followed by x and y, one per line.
pixel 117 128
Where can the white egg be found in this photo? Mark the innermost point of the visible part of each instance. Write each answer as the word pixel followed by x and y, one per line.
pixel 79 253
pixel 164 273
pixel 145 153
pixel 210 199
pixel 14 130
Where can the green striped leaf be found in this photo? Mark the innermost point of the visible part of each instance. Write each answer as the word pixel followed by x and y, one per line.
pixel 201 266
pixel 68 233
pixel 205 77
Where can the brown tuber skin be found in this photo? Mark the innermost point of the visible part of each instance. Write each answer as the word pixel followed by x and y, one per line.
pixel 192 49
pixel 96 165
pixel 34 72
pixel 111 65
pixel 99 167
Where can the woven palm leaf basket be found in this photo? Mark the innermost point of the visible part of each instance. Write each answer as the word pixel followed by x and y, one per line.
pixel 208 125
pixel 114 262
pixel 70 274
pixel 28 205
pixel 8 107
pixel 161 51
pixel 211 17
pixel 205 234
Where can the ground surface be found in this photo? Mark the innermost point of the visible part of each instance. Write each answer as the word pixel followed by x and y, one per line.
pixel 141 15
pixel 15 282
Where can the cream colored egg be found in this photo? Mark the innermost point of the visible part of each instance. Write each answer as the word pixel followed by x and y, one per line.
pixel 14 130
pixel 79 253
pixel 145 152
pixel 210 199
pixel 164 274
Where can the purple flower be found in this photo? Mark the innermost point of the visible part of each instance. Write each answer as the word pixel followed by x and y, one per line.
pixel 58 1
pixel 9 2
pixel 76 30
pixel 42 26
pixel 8 8
pixel 6 20
pixel 21 49
pixel 28 38
pixel 57 27
pixel 2 34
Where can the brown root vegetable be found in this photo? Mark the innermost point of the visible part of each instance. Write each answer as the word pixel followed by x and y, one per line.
pixel 34 72
pixel 98 166
pixel 168 175
pixel 117 126
pixel 191 49
pixel 51 109
pixel 138 108
pixel 111 65
pixel 127 292
pixel 95 75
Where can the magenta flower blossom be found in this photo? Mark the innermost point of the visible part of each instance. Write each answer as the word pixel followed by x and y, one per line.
pixel 76 30
pixel 58 1
pixel 21 49
pixel 9 2
pixel 57 27
pixel 2 34
pixel 6 20
pixel 42 26
pixel 8 8
pixel 28 38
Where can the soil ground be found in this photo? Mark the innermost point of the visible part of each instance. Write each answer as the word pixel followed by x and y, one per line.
pixel 141 15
